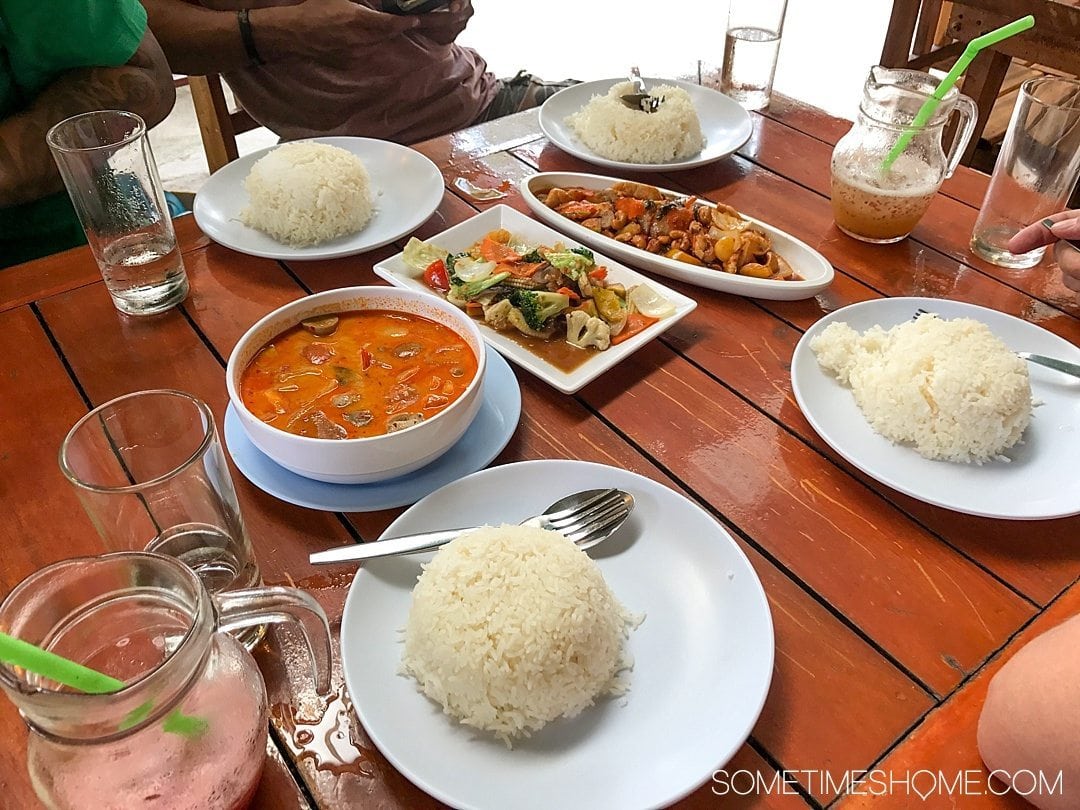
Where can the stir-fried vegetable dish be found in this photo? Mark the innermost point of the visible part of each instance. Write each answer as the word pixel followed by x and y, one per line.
pixel 544 292
pixel 680 228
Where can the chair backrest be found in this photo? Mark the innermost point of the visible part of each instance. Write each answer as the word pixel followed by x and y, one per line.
pixel 217 124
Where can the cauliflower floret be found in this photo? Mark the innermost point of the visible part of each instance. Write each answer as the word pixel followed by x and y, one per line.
pixel 584 330
pixel 497 315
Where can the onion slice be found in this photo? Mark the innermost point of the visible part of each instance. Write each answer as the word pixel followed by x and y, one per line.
pixel 649 302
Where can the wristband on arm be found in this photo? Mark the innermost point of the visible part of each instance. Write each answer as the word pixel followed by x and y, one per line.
pixel 244 21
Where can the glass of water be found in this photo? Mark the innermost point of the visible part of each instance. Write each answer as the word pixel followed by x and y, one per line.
pixel 751 46
pixel 112 179
pixel 149 470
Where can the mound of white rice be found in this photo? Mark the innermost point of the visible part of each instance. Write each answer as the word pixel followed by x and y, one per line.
pixel 617 132
pixel 512 627
pixel 306 193
pixel 949 387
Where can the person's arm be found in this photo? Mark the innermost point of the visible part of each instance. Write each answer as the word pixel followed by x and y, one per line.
pixel 144 86
pixel 443 25
pixel 201 40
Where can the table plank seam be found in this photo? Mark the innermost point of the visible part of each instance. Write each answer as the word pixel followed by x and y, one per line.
pixel 291 764
pixel 355 533
pixel 779 767
pixel 900 738
pixel 183 308
pixel 72 376
pixel 31 298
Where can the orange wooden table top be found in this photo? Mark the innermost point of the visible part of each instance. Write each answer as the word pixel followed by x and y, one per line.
pixel 890 615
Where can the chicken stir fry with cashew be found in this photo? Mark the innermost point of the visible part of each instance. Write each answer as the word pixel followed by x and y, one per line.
pixel 680 228
pixel 544 292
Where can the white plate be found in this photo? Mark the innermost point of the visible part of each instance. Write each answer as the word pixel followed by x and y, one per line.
pixel 483 441
pixel 1038 482
pixel 703 656
pixel 815 269
pixel 464 235
pixel 406 186
pixel 725 125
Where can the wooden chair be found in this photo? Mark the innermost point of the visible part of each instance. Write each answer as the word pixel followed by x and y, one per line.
pixel 217 124
pixel 927 33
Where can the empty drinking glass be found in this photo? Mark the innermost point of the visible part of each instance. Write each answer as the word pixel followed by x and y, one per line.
pixel 112 179
pixel 149 470
pixel 1036 170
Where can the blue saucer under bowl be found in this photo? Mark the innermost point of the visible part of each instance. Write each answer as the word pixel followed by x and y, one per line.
pixel 482 442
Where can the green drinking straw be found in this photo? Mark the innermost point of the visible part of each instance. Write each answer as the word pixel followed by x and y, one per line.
pixel 20 653
pixel 970 52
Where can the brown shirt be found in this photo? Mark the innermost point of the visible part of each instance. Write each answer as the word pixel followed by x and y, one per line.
pixel 405 89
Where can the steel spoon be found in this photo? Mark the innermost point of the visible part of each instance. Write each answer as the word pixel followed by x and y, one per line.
pixel 586 517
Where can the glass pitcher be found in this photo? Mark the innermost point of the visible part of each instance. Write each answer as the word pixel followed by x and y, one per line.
pixel 884 207
pixel 188 729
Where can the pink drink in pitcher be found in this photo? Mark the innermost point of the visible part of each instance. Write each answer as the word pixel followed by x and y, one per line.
pixel 218 769
pixel 188 730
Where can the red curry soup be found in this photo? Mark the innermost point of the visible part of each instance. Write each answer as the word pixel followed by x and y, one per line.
pixel 357 374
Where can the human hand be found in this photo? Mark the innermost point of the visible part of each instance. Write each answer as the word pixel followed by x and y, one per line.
pixel 1062 225
pixel 443 25
pixel 335 31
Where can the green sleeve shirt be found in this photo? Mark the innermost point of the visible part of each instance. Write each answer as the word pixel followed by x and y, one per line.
pixel 39 40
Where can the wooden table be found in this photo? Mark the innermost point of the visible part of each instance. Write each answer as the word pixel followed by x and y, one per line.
pixel 890 615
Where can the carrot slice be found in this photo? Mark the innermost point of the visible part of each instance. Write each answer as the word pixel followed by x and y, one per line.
pixel 493 251
pixel 632 207
pixel 635 322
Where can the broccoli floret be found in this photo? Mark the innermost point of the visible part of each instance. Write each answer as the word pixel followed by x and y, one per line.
pixel 538 307
pixel 534 256
pixel 584 251
pixel 471 289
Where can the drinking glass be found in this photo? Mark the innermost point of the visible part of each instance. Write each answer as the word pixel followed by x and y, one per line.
pixel 751 45
pixel 188 728
pixel 108 168
pixel 1035 172
pixel 149 470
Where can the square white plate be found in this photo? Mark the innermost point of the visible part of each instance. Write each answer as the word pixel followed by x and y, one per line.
pixel 462 236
